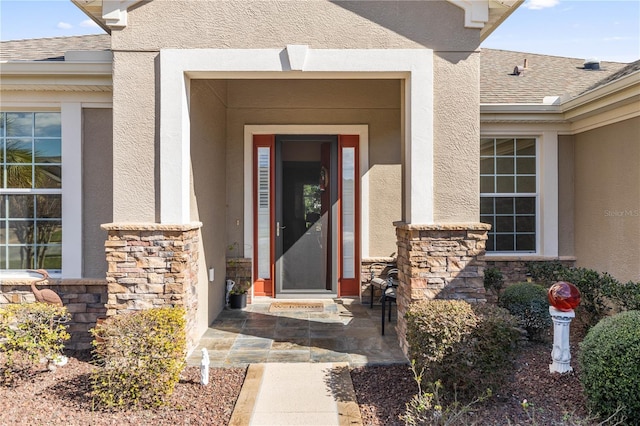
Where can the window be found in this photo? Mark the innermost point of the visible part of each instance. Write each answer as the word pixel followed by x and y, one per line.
pixel 508 193
pixel 31 191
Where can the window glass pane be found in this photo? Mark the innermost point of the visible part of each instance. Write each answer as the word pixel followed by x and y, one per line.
pixel 486 184
pixel 488 220
pixel 48 176
pixel 19 124
pixel 47 124
pixel 526 184
pixel 49 231
pixel 1 124
pixel 49 206
pixel 526 205
pixel 20 257
pixel 526 147
pixel 504 223
pixel 348 213
pixel 490 246
pixel 20 206
pixel 526 166
pixel 504 242
pixel 19 176
pixel 486 166
pixel 48 151
pixel 264 213
pixel 505 184
pixel 504 147
pixel 49 257
pixel 21 232
pixel 526 242
pixel 486 205
pixel 525 224
pixel 19 151
pixel 3 206
pixel 486 147
pixel 3 254
pixel 505 166
pixel 504 205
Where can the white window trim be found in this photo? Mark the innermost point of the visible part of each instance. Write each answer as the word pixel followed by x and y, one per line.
pixel 71 127
pixel 547 190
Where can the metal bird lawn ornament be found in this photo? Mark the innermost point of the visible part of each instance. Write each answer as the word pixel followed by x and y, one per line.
pixel 44 295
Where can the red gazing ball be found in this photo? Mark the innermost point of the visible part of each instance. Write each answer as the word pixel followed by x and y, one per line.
pixel 564 296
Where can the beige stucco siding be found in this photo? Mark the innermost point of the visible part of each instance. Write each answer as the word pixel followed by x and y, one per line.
pixel 566 198
pixel 134 137
pixel 607 199
pixel 208 192
pixel 275 23
pixel 375 103
pixel 456 132
pixel 97 178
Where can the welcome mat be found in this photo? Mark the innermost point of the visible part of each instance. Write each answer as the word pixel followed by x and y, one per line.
pixel 296 307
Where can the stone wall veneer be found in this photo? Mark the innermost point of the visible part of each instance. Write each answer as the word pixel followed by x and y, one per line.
pixel 439 261
pixel 153 265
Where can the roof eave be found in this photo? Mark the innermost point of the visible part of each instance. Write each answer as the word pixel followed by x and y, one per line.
pixel 107 14
pixel 499 11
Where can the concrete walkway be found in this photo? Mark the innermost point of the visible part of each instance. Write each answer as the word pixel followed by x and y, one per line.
pixel 297 394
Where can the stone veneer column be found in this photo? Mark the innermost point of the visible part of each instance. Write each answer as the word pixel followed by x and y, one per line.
pixel 439 262
pixel 153 265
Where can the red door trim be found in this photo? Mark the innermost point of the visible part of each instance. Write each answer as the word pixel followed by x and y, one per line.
pixel 263 286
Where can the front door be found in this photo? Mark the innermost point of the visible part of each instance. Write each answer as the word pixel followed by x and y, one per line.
pixel 305 210
pixel 306 194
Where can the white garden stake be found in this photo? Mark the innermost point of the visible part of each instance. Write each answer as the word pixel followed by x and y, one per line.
pixel 204 367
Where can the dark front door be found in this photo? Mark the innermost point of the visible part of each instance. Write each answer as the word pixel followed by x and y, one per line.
pixel 306 191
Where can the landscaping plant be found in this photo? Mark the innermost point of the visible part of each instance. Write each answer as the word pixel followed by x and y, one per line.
pixel 610 365
pixel 139 358
pixel 528 302
pixel 29 334
pixel 468 348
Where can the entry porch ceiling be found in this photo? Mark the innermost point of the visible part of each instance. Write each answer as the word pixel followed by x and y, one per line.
pixel 112 13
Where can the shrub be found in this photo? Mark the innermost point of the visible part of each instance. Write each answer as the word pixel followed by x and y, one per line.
pixel 140 356
pixel 30 333
pixel 610 365
pixel 528 302
pixel 493 280
pixel 465 347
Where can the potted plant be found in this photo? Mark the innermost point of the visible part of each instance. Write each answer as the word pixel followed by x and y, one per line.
pixel 238 296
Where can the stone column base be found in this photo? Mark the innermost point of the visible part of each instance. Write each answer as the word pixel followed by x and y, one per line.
pixel 439 261
pixel 153 265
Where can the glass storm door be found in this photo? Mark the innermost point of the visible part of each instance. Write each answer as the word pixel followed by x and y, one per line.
pixel 305 215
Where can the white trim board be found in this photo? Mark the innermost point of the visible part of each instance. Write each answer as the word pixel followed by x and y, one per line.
pixel 413 66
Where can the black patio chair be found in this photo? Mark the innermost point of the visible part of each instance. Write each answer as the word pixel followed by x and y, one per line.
pixel 387 282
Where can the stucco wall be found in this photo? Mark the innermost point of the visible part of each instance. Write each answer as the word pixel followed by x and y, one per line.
pixel 97 178
pixel 607 199
pixel 135 138
pixel 566 196
pixel 457 132
pixel 208 192
pixel 438 25
pixel 372 102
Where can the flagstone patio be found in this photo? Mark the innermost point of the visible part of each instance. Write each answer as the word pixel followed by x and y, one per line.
pixel 345 331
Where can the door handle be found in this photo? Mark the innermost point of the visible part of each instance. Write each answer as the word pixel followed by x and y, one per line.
pixel 278 228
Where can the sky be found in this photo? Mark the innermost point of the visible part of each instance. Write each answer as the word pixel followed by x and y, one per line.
pixel 605 29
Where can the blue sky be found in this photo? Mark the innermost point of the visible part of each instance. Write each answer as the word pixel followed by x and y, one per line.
pixel 605 29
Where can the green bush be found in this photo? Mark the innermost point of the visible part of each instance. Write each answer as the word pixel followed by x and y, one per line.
pixel 528 302
pixel 468 348
pixel 610 365
pixel 30 333
pixel 493 280
pixel 140 357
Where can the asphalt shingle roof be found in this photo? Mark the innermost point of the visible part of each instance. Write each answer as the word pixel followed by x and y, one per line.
pixel 51 49
pixel 545 76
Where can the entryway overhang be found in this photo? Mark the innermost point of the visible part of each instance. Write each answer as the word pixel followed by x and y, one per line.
pixel 414 67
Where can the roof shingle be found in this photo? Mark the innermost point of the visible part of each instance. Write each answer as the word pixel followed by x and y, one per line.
pixel 51 49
